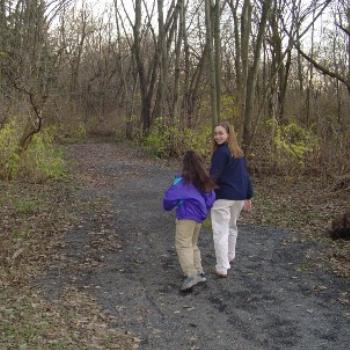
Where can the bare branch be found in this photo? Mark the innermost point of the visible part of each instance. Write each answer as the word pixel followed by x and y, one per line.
pixel 346 31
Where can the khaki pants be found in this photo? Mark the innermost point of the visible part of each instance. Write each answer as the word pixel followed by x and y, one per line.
pixel 186 240
pixel 224 216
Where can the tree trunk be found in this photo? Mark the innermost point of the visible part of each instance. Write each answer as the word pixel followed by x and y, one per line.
pixel 217 56
pixel 145 102
pixel 212 75
pixel 252 76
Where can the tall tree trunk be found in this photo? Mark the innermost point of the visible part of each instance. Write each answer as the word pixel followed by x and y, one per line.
pixel 212 75
pixel 309 89
pixel 187 116
pixel 178 42
pixel 162 92
pixel 245 34
pixel 194 86
pixel 252 76
pixel 217 55
pixel 145 102
pixel 238 53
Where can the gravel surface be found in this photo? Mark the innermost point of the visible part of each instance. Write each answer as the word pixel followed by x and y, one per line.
pixel 271 299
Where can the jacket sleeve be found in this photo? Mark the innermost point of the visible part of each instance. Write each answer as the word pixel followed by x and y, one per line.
pixel 171 196
pixel 218 162
pixel 209 199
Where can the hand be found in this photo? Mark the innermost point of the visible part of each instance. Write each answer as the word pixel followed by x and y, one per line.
pixel 247 205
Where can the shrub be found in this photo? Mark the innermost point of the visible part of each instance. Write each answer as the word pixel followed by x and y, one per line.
pixel 229 108
pixel 42 160
pixel 9 158
pixel 67 135
pixel 292 144
pixel 166 141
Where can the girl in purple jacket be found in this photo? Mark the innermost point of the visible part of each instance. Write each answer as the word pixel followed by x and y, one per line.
pixel 193 195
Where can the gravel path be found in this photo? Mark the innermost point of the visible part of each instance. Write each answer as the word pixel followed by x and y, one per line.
pixel 271 300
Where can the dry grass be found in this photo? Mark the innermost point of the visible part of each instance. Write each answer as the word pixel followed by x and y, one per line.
pixel 306 206
pixel 33 222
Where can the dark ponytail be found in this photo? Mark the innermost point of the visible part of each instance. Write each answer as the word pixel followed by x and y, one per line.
pixel 194 172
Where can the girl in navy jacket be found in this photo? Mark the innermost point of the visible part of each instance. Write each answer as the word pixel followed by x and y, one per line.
pixel 234 192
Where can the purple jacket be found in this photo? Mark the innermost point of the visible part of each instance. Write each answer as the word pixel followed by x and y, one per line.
pixel 190 203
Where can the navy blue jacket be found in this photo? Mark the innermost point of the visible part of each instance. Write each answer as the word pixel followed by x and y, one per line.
pixel 230 174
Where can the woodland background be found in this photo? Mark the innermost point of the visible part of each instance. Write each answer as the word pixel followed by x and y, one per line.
pixel 157 75
pixel 163 72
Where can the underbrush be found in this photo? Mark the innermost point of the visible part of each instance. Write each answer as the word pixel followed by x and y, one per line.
pixel 170 141
pixel 42 160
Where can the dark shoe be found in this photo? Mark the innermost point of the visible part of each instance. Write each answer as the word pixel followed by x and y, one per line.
pixel 220 275
pixel 191 281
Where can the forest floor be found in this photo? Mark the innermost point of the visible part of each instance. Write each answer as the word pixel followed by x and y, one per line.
pixel 89 263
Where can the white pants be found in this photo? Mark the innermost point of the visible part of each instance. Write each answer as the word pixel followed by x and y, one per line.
pixel 224 215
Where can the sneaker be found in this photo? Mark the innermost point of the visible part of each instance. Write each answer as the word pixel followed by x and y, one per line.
pixel 191 281
pixel 202 274
pixel 220 274
pixel 231 263
pixel 202 277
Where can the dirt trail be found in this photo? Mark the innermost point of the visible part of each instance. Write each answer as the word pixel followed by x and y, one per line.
pixel 271 300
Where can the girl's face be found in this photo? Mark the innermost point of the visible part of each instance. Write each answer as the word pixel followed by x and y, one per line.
pixel 220 135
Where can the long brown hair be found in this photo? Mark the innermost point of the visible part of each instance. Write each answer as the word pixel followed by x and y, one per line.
pixel 232 142
pixel 194 172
